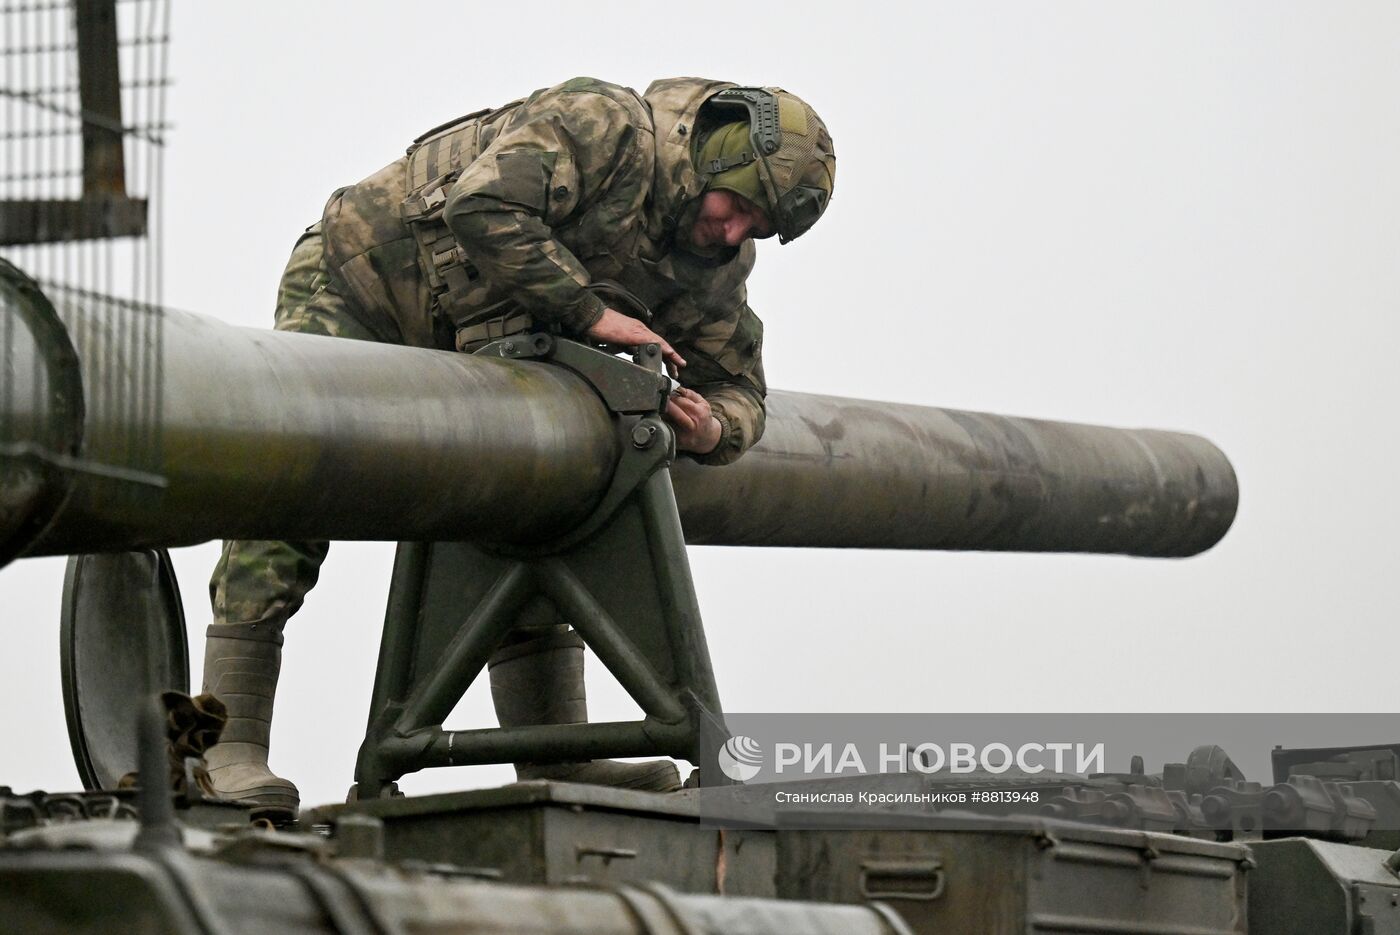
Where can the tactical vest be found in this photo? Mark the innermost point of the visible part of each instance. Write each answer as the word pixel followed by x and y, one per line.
pixel 434 162
pixel 387 242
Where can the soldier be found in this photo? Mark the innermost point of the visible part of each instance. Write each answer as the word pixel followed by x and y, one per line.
pixel 546 212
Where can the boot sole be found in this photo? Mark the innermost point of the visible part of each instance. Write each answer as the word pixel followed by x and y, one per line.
pixel 264 798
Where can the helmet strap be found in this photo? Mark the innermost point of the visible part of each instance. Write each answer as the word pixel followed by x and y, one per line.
pixel 724 164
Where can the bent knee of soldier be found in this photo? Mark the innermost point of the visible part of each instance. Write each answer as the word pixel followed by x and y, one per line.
pixel 258 580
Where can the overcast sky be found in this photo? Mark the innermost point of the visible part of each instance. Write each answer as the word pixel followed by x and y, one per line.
pixel 1168 215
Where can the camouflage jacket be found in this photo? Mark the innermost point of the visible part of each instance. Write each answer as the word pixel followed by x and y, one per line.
pixel 520 208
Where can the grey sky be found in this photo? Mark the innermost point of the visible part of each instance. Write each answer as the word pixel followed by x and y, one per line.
pixel 1173 215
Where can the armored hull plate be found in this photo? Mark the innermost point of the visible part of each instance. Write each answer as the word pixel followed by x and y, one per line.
pixel 122 638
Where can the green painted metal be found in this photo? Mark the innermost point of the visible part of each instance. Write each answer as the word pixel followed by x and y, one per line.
pixel 1310 887
pixel 336 439
pixel 556 833
pixel 970 875
pixel 86 892
pixel 121 640
pixel 623 584
pixel 264 434
pixel 41 411
pixel 850 473
pixel 528 499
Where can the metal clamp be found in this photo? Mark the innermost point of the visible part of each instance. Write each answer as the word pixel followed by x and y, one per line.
pixel 629 388
pixel 626 388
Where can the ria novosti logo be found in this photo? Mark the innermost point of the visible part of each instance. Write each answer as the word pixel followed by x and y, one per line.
pixel 740 758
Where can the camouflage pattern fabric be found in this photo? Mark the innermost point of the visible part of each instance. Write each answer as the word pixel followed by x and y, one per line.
pixel 309 303
pixel 519 208
pixel 192 726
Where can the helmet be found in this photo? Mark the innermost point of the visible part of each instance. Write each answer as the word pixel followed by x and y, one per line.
pixel 791 150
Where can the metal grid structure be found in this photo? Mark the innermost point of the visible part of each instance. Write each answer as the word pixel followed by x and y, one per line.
pixel 82 135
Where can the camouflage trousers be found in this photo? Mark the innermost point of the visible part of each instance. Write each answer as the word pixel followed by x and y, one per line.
pixel 264 581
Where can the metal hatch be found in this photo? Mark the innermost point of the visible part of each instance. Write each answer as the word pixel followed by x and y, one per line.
pixel 122 637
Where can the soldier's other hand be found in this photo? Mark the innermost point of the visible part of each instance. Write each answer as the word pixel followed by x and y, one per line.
pixel 697 430
pixel 617 328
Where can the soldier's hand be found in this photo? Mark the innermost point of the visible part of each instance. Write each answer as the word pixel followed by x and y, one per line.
pixel 697 429
pixel 617 328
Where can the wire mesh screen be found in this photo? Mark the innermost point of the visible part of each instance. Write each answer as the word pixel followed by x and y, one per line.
pixel 119 346
pixel 82 135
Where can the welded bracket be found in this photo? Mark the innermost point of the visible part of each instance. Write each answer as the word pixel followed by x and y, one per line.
pixel 621 579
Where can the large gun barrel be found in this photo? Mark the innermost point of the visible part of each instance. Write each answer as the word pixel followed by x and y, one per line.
pixel 193 430
pixel 124 427
pixel 850 473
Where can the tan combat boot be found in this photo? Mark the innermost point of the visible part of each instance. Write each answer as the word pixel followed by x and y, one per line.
pixel 540 681
pixel 241 662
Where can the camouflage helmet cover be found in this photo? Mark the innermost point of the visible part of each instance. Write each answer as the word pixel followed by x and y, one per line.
pixel 792 149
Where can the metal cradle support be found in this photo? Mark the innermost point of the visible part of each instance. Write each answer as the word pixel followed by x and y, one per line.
pixel 621 579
